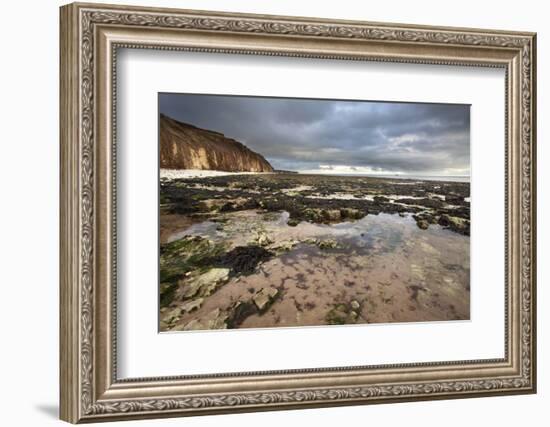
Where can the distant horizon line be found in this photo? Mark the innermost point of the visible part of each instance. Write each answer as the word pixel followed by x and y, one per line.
pixel 314 172
pixel 460 178
pixel 382 174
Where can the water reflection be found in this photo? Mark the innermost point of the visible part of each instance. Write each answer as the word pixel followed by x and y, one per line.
pixel 383 264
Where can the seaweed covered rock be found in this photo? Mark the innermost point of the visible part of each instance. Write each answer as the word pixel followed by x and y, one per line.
pixel 422 224
pixel 239 312
pixel 293 222
pixel 331 215
pixel 459 225
pixel 454 200
pixel 243 259
pixel 343 314
pixel 179 258
pixel 327 244
pixel 424 219
pixel 351 213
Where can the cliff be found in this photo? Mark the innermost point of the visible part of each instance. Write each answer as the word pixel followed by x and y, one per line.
pixel 183 146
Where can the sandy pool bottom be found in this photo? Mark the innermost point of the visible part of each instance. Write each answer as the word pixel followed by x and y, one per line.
pixel 379 269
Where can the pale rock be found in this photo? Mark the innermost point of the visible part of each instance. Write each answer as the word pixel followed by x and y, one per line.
pixel 192 305
pixel 264 297
pixel 263 239
pixel 207 282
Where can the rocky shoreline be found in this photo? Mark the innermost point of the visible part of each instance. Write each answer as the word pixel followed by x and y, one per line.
pixel 323 199
pixel 245 251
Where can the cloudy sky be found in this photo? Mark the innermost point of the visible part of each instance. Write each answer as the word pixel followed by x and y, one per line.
pixel 330 136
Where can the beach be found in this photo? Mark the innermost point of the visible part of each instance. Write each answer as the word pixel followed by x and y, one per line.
pixel 249 250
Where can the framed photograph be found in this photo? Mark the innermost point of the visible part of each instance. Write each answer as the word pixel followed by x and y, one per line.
pixel 266 212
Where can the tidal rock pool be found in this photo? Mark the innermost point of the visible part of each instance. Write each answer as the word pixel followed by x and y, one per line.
pixel 255 268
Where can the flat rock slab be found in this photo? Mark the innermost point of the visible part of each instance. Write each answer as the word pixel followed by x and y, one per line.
pixel 264 297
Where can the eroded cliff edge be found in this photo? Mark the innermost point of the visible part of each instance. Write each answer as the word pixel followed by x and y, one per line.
pixel 184 146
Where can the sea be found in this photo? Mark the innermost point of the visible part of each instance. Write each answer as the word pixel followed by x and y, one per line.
pixel 448 178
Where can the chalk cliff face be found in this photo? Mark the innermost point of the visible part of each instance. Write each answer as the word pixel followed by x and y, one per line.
pixel 183 146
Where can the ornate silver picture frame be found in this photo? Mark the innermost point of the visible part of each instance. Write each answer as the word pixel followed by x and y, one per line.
pixel 91 36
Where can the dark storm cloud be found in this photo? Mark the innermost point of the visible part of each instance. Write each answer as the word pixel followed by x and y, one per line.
pixel 298 134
